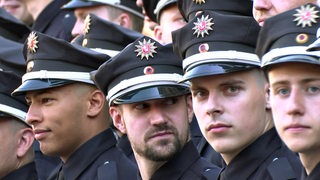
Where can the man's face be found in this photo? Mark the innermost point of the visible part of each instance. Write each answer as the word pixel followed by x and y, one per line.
pixel 81 14
pixel 230 109
pixel 264 9
pixel 170 20
pixel 59 117
pixel 18 9
pixel 157 129
pixel 8 146
pixel 295 101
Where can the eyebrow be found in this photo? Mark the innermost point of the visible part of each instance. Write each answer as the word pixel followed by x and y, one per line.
pixel 38 93
pixel 303 81
pixel 225 83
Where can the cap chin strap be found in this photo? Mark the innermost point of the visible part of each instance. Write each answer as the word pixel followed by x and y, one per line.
pixel 143 81
pixel 69 75
pixel 111 53
pixel 220 56
pixel 280 52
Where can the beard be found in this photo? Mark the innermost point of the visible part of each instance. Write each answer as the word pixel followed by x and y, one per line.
pixel 161 150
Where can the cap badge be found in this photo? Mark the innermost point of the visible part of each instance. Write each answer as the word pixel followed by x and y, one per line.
pixel 202 26
pixel 306 15
pixel 302 38
pixel 145 49
pixel 203 48
pixel 148 70
pixel 87 23
pixel 32 42
pixel 30 66
pixel 199 1
pixel 84 42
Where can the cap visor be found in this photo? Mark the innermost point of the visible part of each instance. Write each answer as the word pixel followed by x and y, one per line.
pixel 151 93
pixel 214 69
pixel 295 58
pixel 78 4
pixel 314 46
pixel 37 84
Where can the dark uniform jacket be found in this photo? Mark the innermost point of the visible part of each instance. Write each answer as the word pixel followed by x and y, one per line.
pixel 44 164
pixel 54 21
pixel 99 158
pixel 186 165
pixel 266 158
pixel 314 175
pixel 27 171
pixel 125 146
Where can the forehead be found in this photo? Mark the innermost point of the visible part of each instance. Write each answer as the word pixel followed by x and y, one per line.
pixel 294 69
pixel 240 76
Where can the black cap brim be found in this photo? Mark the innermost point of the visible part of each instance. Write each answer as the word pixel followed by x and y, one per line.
pixel 79 4
pixel 214 69
pixel 37 84
pixel 294 58
pixel 315 46
pixel 152 93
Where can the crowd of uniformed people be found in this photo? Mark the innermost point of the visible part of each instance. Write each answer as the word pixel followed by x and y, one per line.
pixel 159 89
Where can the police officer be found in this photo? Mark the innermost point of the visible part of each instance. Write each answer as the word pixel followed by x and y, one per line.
pixel 114 39
pixel 228 91
pixel 188 10
pixel 68 113
pixel 293 74
pixel 148 104
pixel 16 153
pixel 122 12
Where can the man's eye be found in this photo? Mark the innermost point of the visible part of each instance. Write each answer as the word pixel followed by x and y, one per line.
pixel 140 106
pixel 312 89
pixel 283 92
pixel 233 90
pixel 198 94
pixel 46 100
pixel 171 101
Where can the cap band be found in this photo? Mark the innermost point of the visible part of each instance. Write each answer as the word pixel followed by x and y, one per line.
pixel 135 83
pixel 73 76
pixel 220 56
pixel 14 112
pixel 280 52
pixel 108 52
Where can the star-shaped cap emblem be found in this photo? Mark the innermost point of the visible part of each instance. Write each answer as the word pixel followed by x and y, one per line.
pixel 145 49
pixel 203 26
pixel 306 15
pixel 32 42
pixel 87 23
pixel 199 1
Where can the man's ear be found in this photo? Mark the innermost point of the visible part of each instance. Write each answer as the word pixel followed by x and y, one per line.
pixel 117 118
pixel 25 142
pixel 190 107
pixel 158 33
pixel 97 102
pixel 267 95
pixel 124 21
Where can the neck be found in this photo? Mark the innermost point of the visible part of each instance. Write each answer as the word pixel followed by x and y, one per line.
pixel 147 167
pixel 36 7
pixel 310 160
